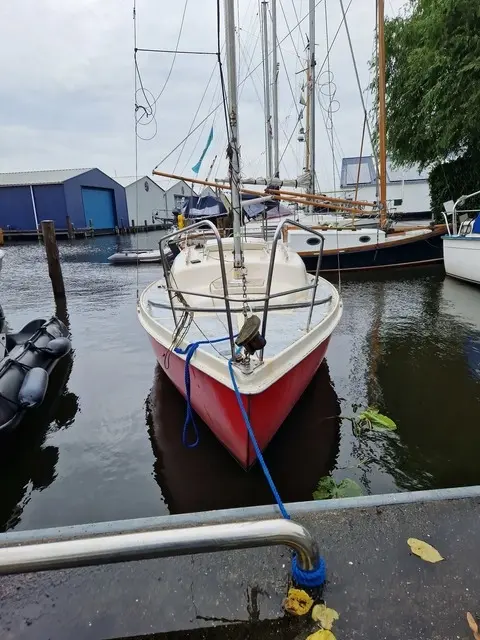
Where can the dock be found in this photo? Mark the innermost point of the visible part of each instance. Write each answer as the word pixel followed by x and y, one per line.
pixel 378 587
pixel 15 235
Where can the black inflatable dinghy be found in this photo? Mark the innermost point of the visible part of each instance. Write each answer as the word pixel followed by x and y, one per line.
pixel 142 256
pixel 28 358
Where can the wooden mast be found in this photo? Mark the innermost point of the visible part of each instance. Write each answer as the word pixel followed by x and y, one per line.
pixel 382 141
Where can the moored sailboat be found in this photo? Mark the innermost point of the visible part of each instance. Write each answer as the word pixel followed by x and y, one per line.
pixel 238 325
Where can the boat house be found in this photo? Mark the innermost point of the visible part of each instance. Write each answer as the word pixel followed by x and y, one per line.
pixel 88 196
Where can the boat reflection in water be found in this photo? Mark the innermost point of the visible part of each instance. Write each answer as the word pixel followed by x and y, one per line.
pixel 25 463
pixel 207 477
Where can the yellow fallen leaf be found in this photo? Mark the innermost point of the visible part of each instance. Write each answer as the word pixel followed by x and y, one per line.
pixel 424 550
pixel 325 616
pixel 473 625
pixel 323 634
pixel 471 622
pixel 298 602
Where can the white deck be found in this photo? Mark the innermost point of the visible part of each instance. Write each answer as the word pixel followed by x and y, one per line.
pixel 288 341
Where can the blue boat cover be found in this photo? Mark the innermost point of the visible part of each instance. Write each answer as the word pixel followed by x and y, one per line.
pixel 203 207
pixel 476 224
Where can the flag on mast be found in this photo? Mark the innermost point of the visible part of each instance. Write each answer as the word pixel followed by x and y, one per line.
pixel 196 168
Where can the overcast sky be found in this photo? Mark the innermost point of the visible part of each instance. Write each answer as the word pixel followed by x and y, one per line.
pixel 67 90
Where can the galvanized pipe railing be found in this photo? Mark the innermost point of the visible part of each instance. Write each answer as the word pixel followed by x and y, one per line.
pixel 70 547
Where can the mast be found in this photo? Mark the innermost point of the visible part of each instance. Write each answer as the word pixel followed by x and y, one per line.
pixel 311 99
pixel 266 92
pixel 382 140
pixel 234 149
pixel 276 156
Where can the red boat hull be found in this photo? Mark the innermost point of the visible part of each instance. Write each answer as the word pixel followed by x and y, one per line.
pixel 217 405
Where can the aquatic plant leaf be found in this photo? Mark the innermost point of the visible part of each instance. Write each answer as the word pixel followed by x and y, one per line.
pixel 327 488
pixel 473 625
pixel 377 420
pixel 297 602
pixel 325 616
pixel 323 634
pixel 348 489
pixel 424 550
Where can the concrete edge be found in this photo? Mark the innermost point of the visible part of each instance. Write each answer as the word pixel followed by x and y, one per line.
pixel 231 515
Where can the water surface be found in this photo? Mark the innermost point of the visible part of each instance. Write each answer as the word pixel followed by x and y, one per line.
pixel 110 446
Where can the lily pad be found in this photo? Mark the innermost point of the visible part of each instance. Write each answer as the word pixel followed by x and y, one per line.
pixel 327 488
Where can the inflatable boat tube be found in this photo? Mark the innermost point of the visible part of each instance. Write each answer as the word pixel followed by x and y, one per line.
pixel 32 353
pixel 143 256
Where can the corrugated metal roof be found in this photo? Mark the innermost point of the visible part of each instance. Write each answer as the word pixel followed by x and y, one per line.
pixel 38 177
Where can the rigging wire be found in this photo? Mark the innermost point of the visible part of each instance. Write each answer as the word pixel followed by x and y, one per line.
pixel 359 85
pixel 196 114
pixel 135 90
pixel 148 115
pixel 239 85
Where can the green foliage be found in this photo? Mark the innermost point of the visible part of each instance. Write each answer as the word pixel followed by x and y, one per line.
pixel 327 488
pixel 371 420
pixel 453 179
pixel 433 81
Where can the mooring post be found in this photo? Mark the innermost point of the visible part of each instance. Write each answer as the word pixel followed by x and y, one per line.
pixel 53 259
pixel 70 231
pixel 1 237
pixel 146 225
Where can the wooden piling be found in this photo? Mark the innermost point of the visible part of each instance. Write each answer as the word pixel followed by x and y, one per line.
pixel 1 238
pixel 53 259
pixel 70 229
pixel 146 225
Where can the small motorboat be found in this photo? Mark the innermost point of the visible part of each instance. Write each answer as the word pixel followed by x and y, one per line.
pixel 27 358
pixel 461 244
pixel 139 256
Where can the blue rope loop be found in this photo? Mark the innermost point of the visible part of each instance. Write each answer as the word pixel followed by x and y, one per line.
pixel 313 578
pixel 189 351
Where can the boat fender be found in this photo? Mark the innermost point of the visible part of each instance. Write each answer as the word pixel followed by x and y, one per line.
pixel 58 347
pixel 33 389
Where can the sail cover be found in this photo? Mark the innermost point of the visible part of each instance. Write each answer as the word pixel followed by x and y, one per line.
pixel 272 208
pixel 203 207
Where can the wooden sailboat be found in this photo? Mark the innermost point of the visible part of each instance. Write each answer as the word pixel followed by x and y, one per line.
pixel 239 321
pixel 354 249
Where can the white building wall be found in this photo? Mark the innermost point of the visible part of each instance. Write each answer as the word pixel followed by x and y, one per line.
pixel 177 194
pixel 149 200
pixel 415 196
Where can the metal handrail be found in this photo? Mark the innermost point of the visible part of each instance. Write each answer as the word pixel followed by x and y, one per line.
pixel 214 297
pixel 459 203
pixel 107 543
pixel 166 272
pixel 271 265
pixel 274 307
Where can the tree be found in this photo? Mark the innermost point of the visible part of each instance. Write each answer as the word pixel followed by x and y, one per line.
pixel 433 87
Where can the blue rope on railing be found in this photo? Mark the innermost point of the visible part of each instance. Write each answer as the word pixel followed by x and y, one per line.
pixel 313 578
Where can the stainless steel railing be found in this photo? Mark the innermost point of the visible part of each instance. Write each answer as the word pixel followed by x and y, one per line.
pixel 108 543
pixel 174 291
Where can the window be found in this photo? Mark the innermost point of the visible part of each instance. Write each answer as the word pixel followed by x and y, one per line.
pixel 364 238
pixel 313 241
pixel 397 202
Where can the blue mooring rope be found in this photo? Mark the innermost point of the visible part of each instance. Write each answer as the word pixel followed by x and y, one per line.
pixel 313 578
